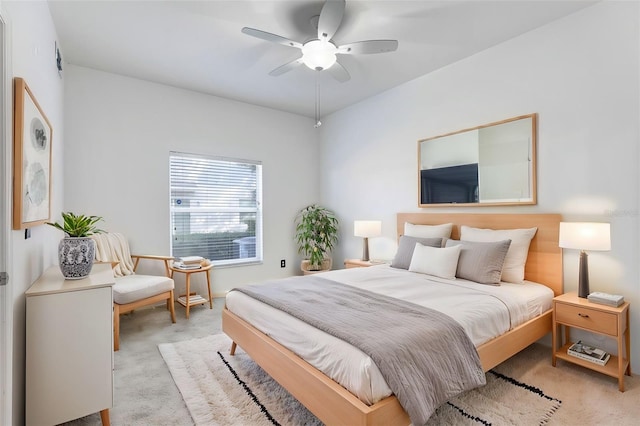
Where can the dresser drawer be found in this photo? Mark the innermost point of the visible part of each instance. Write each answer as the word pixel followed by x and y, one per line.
pixel 590 319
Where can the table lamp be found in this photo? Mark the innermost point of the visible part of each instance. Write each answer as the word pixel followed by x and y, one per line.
pixel 367 229
pixel 585 236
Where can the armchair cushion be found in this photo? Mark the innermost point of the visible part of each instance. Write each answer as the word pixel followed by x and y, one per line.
pixel 131 288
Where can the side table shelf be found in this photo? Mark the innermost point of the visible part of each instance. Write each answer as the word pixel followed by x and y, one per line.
pixel 610 368
pixel 194 299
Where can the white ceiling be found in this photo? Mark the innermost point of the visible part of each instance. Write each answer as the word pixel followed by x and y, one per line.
pixel 197 45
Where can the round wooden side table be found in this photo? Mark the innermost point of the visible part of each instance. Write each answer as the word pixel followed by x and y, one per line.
pixel 191 299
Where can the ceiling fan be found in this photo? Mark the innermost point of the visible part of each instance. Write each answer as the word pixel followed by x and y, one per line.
pixel 320 53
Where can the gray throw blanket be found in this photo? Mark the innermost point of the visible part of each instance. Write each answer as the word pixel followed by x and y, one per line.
pixel 425 356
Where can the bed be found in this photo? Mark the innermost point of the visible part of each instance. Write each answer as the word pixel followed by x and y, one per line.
pixel 332 403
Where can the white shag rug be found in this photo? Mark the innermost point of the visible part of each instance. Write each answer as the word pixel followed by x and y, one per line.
pixel 220 389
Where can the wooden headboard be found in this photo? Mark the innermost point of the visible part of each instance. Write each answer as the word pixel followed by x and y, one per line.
pixel 544 263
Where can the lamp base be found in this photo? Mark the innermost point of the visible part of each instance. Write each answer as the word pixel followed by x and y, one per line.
pixel 365 249
pixel 583 277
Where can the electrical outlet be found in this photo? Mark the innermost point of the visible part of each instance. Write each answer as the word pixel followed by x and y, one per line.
pixel 283 263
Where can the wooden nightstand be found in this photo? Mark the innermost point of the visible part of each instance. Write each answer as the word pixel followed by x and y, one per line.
pixel 357 263
pixel 571 311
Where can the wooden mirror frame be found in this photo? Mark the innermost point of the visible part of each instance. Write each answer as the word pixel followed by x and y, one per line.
pixel 532 171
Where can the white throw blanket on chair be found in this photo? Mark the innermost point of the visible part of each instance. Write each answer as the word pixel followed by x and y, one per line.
pixel 113 247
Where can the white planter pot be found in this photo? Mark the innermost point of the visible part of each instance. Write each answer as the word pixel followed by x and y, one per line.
pixel 76 255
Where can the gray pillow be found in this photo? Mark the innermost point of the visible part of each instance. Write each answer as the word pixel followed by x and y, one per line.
pixel 403 256
pixel 481 262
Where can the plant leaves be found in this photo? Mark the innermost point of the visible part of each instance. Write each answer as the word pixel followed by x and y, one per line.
pixel 316 233
pixel 78 225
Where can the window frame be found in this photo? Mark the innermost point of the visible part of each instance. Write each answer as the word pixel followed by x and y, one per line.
pixel 258 210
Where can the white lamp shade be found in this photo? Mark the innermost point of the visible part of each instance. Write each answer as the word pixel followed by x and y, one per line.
pixel 585 236
pixel 367 228
pixel 318 54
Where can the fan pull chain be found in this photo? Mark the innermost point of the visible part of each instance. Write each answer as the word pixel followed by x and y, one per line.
pixel 318 122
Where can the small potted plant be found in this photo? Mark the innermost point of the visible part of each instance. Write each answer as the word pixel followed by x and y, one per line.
pixel 76 250
pixel 316 235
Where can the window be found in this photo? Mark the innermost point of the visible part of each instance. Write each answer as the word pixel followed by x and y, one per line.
pixel 216 208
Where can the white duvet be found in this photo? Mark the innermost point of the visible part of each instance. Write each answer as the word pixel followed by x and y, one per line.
pixel 484 312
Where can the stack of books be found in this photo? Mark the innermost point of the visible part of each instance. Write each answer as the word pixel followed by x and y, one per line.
pixel 588 353
pixel 606 298
pixel 188 262
pixel 195 299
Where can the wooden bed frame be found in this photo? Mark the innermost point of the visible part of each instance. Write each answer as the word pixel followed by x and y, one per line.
pixel 332 403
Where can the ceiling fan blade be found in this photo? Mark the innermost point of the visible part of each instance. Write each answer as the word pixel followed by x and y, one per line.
pixel 368 46
pixel 286 67
pixel 339 72
pixel 271 37
pixel 330 18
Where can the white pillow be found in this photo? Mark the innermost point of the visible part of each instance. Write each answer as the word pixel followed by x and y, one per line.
pixel 441 262
pixel 513 268
pixel 428 231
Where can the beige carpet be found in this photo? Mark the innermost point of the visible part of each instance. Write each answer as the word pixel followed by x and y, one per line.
pixel 588 398
pixel 220 389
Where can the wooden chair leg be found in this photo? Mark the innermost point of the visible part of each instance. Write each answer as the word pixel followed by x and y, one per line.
pixel 116 327
pixel 172 309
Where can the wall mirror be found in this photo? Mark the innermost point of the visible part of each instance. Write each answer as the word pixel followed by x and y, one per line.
pixel 492 164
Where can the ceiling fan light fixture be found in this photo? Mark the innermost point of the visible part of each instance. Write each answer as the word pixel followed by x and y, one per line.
pixel 319 54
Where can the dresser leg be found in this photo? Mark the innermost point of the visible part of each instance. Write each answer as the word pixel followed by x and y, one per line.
pixel 104 416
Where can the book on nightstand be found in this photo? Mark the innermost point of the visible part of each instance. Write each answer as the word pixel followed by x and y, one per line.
pixel 614 300
pixel 588 353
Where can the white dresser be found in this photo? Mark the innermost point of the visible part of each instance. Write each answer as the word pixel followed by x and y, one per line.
pixel 69 354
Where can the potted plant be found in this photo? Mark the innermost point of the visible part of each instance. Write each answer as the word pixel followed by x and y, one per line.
pixel 316 235
pixel 76 250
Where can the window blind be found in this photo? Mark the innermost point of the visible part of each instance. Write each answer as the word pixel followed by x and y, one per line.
pixel 216 208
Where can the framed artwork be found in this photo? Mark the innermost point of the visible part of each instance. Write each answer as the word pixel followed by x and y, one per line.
pixel 31 160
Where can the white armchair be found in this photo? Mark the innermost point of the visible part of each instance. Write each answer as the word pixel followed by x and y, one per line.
pixel 131 290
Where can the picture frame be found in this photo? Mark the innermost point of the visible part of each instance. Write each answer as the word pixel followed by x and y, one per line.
pixel 32 136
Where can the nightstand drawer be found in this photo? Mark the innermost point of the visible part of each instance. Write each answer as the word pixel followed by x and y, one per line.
pixel 590 319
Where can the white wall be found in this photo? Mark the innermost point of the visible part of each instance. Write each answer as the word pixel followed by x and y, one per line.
pixel 119 132
pixel 33 40
pixel 580 74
